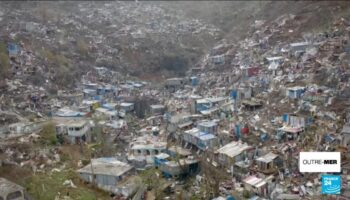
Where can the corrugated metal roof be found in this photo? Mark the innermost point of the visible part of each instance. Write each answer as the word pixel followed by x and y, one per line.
pixel 106 166
pixel 195 132
pixel 7 186
pixel 299 44
pixel 234 148
pixel 267 157
pixel 346 129
pixel 291 129
pixel 162 156
pixel 185 124
pixel 157 106
pixel 207 123
pixel 254 181
pixel 126 104
pixel 206 136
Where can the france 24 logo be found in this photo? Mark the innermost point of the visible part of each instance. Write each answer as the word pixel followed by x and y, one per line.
pixel 331 184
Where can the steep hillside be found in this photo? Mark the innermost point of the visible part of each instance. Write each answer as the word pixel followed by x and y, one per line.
pixel 235 17
pixel 60 41
pixel 66 39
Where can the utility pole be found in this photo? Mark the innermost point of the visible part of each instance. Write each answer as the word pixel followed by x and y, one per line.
pixel 92 172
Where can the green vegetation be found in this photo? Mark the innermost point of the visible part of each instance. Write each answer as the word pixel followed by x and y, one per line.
pixel 175 63
pixel 57 60
pixel 47 186
pixel 48 55
pixel 4 65
pixel 151 178
pixel 4 61
pixel 65 158
pixel 180 196
pixel 83 48
pixel 212 178
pixel 48 134
pixel 246 194
pixel 62 66
pixel 3 48
pixel 61 60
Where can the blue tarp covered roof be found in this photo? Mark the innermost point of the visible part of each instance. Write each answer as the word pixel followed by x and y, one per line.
pixel 205 136
pixel 12 48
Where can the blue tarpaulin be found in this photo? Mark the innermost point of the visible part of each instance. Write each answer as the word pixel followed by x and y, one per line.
pixel 158 162
pixel 202 106
pixel 264 137
pixel 254 198
pixel 194 80
pixel 233 94
pixel 347 49
pixel 238 130
pixel 108 106
pixel 309 121
pixel 285 117
pixel 230 198
pixel 12 48
pixel 97 97
pixel 328 138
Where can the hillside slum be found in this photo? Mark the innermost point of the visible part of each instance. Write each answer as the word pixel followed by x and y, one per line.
pixel 58 40
pixel 232 128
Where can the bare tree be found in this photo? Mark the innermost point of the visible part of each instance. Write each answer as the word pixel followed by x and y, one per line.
pixel 212 177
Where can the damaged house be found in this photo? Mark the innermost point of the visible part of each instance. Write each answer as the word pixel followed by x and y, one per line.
pixel 127 107
pixel 75 131
pixel 288 133
pixel 13 50
pixel 345 134
pixel 208 103
pixel 252 104
pixel 144 149
pixel 218 59
pixel 268 163
pixel 157 109
pixel 251 71
pixel 176 162
pixel 194 80
pixel 174 84
pixel 276 59
pixel 235 153
pixel 208 127
pixel 11 191
pixel 256 185
pixel 295 121
pixel 199 139
pixel 295 92
pixel 114 126
pixel 242 92
pixel 106 114
pixel 90 90
pixel 108 174
pixel 298 47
